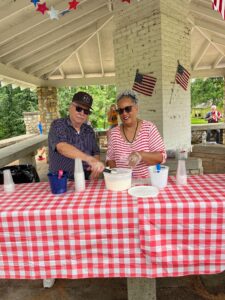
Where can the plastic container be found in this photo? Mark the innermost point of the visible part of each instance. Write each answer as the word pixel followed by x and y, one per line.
pixel 159 178
pixel 79 176
pixel 57 185
pixel 118 180
pixel 9 186
pixel 181 175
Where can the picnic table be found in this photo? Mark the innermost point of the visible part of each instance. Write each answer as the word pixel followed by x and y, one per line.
pixel 99 233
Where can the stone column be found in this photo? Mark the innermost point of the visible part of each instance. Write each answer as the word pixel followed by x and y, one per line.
pixel 152 36
pixel 31 121
pixel 48 106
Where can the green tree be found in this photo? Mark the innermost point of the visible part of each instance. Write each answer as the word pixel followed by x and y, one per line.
pixel 103 97
pixel 209 89
pixel 13 102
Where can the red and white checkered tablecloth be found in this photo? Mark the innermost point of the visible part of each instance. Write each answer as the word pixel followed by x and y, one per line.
pixel 96 233
pixel 183 231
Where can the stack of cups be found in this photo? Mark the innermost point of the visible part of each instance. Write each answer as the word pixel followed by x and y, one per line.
pixel 9 185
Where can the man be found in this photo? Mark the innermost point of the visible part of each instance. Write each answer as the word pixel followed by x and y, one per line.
pixel 72 137
pixel 213 116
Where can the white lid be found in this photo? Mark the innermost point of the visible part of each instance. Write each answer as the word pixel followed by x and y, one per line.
pixel 143 191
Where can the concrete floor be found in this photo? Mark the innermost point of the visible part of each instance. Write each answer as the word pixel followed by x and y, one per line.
pixel 210 287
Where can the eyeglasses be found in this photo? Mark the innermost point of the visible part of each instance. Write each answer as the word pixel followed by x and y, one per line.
pixel 127 109
pixel 80 109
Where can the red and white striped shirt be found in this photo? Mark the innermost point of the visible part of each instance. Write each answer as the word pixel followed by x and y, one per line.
pixel 148 139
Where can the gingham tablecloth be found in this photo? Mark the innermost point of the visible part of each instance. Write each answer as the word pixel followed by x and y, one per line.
pixel 183 231
pixel 99 233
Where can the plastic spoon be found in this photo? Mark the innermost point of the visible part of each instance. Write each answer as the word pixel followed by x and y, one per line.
pixel 60 174
pixel 158 168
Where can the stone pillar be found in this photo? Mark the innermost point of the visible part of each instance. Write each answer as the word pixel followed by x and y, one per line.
pixel 48 106
pixel 151 36
pixel 31 121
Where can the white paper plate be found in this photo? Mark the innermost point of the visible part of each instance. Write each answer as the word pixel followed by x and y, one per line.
pixel 143 191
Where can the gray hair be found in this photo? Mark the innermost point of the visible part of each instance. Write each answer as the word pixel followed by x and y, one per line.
pixel 128 93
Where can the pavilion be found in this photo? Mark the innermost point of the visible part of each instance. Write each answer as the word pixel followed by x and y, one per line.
pixel 105 42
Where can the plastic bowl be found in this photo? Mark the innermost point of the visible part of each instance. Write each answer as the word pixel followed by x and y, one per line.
pixel 118 180
pixel 159 179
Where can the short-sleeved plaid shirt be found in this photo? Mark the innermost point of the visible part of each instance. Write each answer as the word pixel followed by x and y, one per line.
pixel 62 131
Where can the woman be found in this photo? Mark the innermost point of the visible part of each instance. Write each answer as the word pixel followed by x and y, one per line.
pixel 135 143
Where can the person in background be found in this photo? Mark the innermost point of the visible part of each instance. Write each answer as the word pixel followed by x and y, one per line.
pixel 112 116
pixel 72 137
pixel 135 143
pixel 213 116
pixel 41 151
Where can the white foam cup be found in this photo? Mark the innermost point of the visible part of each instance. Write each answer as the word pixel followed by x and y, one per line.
pixel 9 186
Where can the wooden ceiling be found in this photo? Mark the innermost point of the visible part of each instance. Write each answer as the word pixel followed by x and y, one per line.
pixel 77 49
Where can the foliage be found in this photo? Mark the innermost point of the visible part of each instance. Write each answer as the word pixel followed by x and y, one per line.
pixel 13 102
pixel 204 91
pixel 103 97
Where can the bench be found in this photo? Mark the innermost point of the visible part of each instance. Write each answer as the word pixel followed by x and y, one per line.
pixel 23 151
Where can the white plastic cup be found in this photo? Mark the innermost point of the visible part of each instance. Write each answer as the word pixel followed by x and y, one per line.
pixel 159 178
pixel 9 185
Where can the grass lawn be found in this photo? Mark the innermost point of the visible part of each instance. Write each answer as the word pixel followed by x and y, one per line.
pixel 198 121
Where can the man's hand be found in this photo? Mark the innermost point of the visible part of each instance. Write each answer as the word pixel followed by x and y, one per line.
pixel 96 167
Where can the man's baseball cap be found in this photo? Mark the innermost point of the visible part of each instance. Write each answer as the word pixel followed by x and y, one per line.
pixel 83 99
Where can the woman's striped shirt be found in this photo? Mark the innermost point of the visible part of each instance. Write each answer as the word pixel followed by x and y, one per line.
pixel 148 139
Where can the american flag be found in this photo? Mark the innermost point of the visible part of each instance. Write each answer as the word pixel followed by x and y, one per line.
pixel 144 84
pixel 219 5
pixel 182 77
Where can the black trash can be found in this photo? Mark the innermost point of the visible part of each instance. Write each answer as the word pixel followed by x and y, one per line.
pixel 21 174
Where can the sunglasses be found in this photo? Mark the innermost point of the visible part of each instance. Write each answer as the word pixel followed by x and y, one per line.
pixel 127 109
pixel 80 109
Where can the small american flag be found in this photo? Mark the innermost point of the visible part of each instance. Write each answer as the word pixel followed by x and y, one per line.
pixel 219 5
pixel 182 77
pixel 144 84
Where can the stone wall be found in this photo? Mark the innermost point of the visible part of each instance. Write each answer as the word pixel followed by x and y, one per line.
pixel 212 156
pixel 31 120
pixel 48 106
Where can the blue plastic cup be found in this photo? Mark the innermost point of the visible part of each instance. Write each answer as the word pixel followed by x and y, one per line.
pixel 58 185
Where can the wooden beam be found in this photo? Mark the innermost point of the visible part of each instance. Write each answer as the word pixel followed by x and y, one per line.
pixel 82 81
pixel 20 77
pixel 207 73
pixel 37 38
pixel 201 53
pixel 100 27
pixel 100 52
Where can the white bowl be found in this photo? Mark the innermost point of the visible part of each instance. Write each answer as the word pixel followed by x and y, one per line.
pixel 118 180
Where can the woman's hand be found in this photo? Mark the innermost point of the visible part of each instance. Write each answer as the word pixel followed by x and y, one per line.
pixel 133 159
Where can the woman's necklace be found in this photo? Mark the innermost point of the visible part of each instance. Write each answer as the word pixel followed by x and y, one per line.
pixel 130 141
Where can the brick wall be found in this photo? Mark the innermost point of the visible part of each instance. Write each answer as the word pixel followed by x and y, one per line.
pixel 151 36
